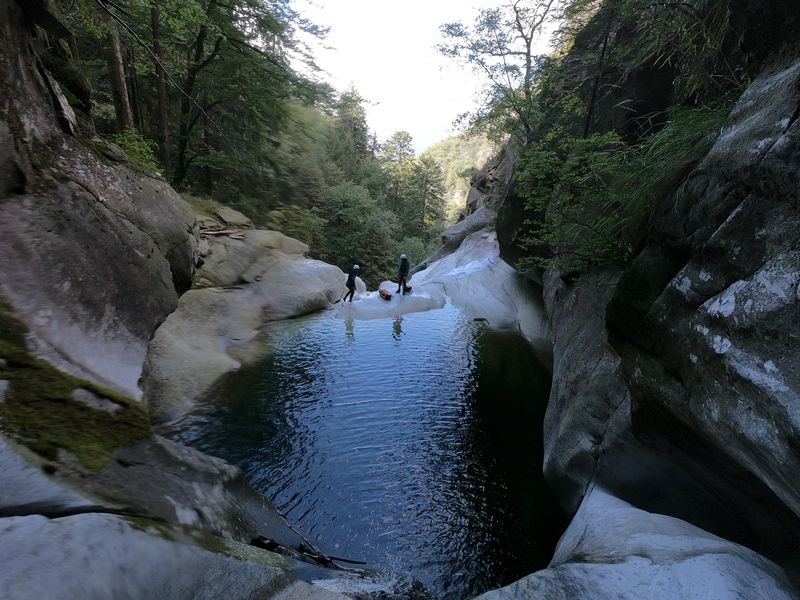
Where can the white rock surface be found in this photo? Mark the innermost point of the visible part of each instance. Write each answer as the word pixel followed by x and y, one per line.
pixel 93 556
pixel 613 550
pixel 25 489
pixel 370 305
pixel 480 283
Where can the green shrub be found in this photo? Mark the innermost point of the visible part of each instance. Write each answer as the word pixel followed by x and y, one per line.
pixel 139 149
pixel 590 195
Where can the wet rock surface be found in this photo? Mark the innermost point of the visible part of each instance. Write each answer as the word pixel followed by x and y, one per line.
pixel 263 278
pixel 481 284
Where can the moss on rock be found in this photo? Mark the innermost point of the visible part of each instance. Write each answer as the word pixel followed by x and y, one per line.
pixel 40 411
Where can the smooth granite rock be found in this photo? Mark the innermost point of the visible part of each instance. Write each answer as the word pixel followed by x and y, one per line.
pixel 614 550
pixel 214 329
pixel 480 283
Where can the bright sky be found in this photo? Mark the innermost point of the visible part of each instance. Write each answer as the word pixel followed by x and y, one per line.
pixel 387 49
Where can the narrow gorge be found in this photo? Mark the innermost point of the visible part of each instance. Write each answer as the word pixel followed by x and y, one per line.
pixel 189 410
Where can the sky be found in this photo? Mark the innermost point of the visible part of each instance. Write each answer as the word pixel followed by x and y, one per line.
pixel 387 50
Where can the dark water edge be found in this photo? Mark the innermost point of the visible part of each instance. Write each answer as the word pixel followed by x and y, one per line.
pixel 412 443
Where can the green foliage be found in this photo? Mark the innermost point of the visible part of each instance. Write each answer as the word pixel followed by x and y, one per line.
pixel 300 223
pixel 690 39
pixel 457 157
pixel 202 205
pixel 415 249
pixel 238 125
pixel 592 194
pixel 139 149
pixel 358 230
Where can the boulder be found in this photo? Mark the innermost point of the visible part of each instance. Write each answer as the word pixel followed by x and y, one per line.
pixel 232 217
pixel 98 556
pixel 227 259
pixel 481 284
pixel 614 550
pixel 480 219
pixel 209 333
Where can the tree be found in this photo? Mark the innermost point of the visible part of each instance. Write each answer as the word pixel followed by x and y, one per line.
pixel 350 144
pixel 429 193
pixel 162 130
pixel 500 45
pixel 397 159
pixel 358 230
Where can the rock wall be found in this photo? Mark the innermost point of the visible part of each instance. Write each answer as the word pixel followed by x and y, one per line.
pixel 95 251
pixel 675 406
pixel 706 317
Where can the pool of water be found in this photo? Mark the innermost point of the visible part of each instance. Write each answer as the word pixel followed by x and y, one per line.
pixel 412 443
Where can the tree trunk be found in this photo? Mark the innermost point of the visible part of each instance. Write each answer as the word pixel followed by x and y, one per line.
pixel 116 75
pixel 196 62
pixel 162 131
pixel 595 86
pixel 133 86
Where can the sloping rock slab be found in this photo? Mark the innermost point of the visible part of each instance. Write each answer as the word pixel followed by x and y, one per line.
pixel 613 550
pixel 200 341
pixel 480 283
pixel 168 481
pixel 93 556
pixel 25 489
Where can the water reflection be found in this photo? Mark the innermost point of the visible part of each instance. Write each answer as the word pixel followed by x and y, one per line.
pixel 397 327
pixel 349 330
pixel 422 457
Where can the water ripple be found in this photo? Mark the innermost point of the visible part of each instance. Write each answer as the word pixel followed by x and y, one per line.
pixel 413 443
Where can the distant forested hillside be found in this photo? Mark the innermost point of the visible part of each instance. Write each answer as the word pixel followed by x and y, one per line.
pixel 209 94
pixel 457 156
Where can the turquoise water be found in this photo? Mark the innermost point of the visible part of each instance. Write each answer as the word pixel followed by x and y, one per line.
pixel 412 443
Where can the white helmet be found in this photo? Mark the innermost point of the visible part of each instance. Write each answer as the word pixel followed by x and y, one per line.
pixel 356 267
pixel 403 256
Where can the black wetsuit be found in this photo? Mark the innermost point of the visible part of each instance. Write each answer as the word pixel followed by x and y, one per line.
pixel 403 275
pixel 350 285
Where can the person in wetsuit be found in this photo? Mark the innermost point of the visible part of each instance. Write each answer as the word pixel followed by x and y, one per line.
pixel 402 272
pixel 351 283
